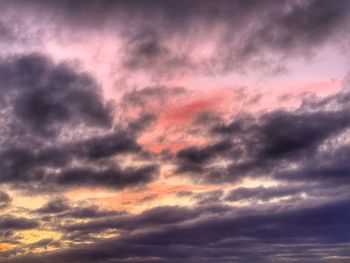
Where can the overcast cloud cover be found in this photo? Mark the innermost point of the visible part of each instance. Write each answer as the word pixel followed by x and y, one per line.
pixel 174 131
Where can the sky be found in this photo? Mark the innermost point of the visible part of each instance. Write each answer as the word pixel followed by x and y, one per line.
pixel 174 131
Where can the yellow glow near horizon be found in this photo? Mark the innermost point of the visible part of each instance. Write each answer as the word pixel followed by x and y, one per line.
pixel 35 235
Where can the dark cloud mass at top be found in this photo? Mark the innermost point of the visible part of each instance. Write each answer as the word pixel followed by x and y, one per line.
pixel 174 131
pixel 245 33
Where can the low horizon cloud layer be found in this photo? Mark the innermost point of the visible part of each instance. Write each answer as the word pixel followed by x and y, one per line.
pixel 167 131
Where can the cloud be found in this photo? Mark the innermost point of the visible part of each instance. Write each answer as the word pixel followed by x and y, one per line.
pixel 21 165
pixel 43 96
pixel 112 177
pixel 273 181
pixel 9 222
pixel 267 142
pixel 54 206
pixel 262 193
pixel 225 237
pixel 193 158
pixel 328 168
pixel 90 212
pixel 242 34
pixel 5 200
pixel 152 218
pixel 149 100
pixel 210 197
pixel 62 208
pixel 58 129
pixel 5 33
pixel 44 243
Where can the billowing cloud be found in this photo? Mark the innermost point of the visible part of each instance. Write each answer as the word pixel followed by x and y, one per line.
pixel 43 103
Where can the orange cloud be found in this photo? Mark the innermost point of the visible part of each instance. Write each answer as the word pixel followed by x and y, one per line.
pixel 4 246
pixel 172 130
pixel 137 200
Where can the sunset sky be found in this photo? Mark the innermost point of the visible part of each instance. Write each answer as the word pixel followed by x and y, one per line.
pixel 174 131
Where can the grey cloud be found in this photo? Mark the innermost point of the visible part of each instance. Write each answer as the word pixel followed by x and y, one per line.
pixel 266 143
pixel 8 222
pixel 25 164
pixel 253 33
pixel 263 193
pixel 90 212
pixel 203 198
pixel 54 206
pixel 281 235
pixel 62 208
pixel 5 199
pixel 112 177
pixel 154 217
pixel 330 168
pixel 46 106
pixel 193 158
pixel 107 145
pixel 44 95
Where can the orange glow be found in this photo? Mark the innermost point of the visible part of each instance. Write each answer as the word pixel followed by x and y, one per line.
pixel 4 246
pixel 132 200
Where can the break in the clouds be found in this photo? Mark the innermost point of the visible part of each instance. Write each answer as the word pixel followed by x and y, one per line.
pixel 167 131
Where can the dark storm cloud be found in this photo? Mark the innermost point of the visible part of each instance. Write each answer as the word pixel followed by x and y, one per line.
pixel 18 161
pixel 282 134
pixel 226 237
pixel 9 222
pixel 48 111
pixel 193 158
pixel 329 167
pixel 111 177
pixel 107 145
pixel 269 142
pixel 21 165
pixel 45 95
